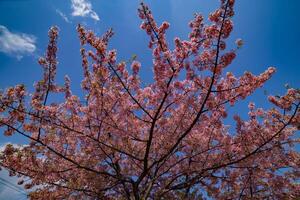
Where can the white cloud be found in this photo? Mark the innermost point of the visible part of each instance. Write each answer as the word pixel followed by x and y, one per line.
pixel 83 8
pixel 16 44
pixel 63 15
pixel 20 146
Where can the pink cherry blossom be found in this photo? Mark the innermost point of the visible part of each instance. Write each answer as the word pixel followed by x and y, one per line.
pixel 169 139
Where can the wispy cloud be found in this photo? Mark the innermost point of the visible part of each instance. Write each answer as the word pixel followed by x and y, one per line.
pixel 63 15
pixel 83 8
pixel 16 44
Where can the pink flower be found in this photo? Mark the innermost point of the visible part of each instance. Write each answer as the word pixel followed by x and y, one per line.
pixel 135 67
pixel 239 42
pixel 165 25
pixel 251 106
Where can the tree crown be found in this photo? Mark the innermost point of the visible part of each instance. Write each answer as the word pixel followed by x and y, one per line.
pixel 166 140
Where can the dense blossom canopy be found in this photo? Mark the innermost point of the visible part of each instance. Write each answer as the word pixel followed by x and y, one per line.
pixel 165 140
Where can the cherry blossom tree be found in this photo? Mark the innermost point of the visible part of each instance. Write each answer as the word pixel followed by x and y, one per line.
pixel 165 140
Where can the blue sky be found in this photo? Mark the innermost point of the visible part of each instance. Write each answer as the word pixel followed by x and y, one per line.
pixel 270 30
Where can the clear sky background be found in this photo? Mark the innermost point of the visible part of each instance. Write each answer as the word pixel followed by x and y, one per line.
pixel 270 30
